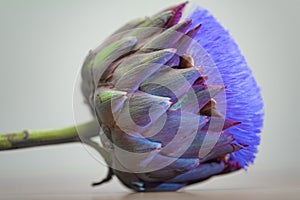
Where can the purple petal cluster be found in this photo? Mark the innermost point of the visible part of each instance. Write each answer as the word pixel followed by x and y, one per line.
pixel 244 102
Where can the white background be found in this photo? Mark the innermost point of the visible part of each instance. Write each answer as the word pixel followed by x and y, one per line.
pixel 42 47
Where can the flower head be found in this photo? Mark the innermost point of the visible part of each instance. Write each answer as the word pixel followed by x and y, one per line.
pixel 175 99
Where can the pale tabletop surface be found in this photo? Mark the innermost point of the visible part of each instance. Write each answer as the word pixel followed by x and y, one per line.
pixel 252 185
pixel 239 194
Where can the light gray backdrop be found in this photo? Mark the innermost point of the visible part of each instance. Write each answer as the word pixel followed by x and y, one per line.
pixel 42 47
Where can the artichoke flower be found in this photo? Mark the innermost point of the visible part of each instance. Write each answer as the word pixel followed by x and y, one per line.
pixel 175 99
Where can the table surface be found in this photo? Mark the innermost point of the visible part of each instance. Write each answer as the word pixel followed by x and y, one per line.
pixel 228 194
pixel 256 185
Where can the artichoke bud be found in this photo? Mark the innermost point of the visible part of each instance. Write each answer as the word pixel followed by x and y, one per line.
pixel 165 115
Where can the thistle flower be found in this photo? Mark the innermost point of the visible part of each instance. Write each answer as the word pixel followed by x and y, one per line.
pixel 175 99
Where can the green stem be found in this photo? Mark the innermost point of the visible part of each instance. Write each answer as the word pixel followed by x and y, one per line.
pixel 33 138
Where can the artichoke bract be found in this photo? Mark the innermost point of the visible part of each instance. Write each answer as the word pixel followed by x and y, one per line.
pixel 175 99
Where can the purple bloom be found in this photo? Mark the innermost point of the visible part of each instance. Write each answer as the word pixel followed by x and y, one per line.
pixel 244 102
pixel 175 99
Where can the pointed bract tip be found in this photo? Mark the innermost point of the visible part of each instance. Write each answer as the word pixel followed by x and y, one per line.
pixel 177 13
pixel 193 32
pixel 171 50
pixel 230 123
pixel 189 21
pixel 195 29
pixel 179 7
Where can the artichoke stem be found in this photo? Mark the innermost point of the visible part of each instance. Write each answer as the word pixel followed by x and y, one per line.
pixel 34 138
